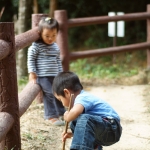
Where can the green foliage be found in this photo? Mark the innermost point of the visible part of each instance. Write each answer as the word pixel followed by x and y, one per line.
pixel 28 136
pixel 5 148
pixel 95 36
pixel 43 6
pixel 8 11
pixel 15 3
pixel 87 68
pixel 22 82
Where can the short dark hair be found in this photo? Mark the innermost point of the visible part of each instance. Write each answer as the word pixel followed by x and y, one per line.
pixel 66 80
pixel 48 23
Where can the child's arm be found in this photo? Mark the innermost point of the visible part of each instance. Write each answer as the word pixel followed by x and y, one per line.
pixel 32 54
pixel 73 113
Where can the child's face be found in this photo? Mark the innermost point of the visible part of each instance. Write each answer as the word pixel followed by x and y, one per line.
pixel 49 35
pixel 65 100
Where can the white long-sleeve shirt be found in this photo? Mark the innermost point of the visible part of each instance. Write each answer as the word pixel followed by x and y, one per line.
pixel 43 59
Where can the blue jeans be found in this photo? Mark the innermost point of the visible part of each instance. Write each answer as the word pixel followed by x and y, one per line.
pixel 52 107
pixel 90 131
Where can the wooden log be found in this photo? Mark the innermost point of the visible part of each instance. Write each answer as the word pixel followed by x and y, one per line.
pixel 109 50
pixel 9 90
pixel 26 97
pixel 62 38
pixel 105 19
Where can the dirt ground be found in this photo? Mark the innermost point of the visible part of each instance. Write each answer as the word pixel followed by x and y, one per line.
pixel 131 102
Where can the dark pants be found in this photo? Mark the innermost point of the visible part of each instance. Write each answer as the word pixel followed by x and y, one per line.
pixel 52 107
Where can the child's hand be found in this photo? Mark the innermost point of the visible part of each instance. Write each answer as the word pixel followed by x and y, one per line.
pixel 66 135
pixel 32 77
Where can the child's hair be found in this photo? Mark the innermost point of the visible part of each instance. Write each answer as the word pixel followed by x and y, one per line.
pixel 48 23
pixel 66 80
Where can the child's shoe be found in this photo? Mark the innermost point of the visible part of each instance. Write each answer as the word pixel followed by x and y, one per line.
pixel 61 118
pixel 56 122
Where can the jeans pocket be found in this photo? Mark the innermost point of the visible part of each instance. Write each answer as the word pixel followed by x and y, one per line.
pixel 108 137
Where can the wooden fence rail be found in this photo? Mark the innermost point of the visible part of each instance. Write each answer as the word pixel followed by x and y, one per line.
pixel 12 105
pixel 110 50
pixel 105 19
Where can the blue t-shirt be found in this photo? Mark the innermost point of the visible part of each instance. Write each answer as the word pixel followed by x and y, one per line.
pixel 95 106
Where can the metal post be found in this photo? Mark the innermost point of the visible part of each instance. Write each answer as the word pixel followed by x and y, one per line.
pixel 62 38
pixel 8 89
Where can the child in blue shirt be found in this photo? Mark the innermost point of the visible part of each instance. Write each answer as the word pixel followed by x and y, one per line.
pixel 94 123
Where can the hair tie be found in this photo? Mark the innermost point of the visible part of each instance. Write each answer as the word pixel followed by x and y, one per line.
pixel 47 19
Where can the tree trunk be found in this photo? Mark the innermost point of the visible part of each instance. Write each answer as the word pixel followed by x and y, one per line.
pixel 24 24
pixel 35 7
pixel 52 7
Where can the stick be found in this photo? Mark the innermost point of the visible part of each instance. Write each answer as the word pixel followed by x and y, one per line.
pixel 66 126
pixel 1 12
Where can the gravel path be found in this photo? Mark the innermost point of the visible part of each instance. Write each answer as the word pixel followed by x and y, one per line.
pixel 131 102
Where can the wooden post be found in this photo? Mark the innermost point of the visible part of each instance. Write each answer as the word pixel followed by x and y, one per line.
pixel 35 20
pixel 62 38
pixel 148 50
pixel 148 38
pixel 8 89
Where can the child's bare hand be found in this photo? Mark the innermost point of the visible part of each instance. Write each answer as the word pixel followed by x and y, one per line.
pixel 32 77
pixel 66 135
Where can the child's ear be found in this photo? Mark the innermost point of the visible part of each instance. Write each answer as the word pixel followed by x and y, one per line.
pixel 67 92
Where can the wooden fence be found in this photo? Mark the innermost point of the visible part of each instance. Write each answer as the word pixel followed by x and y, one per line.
pixel 12 105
